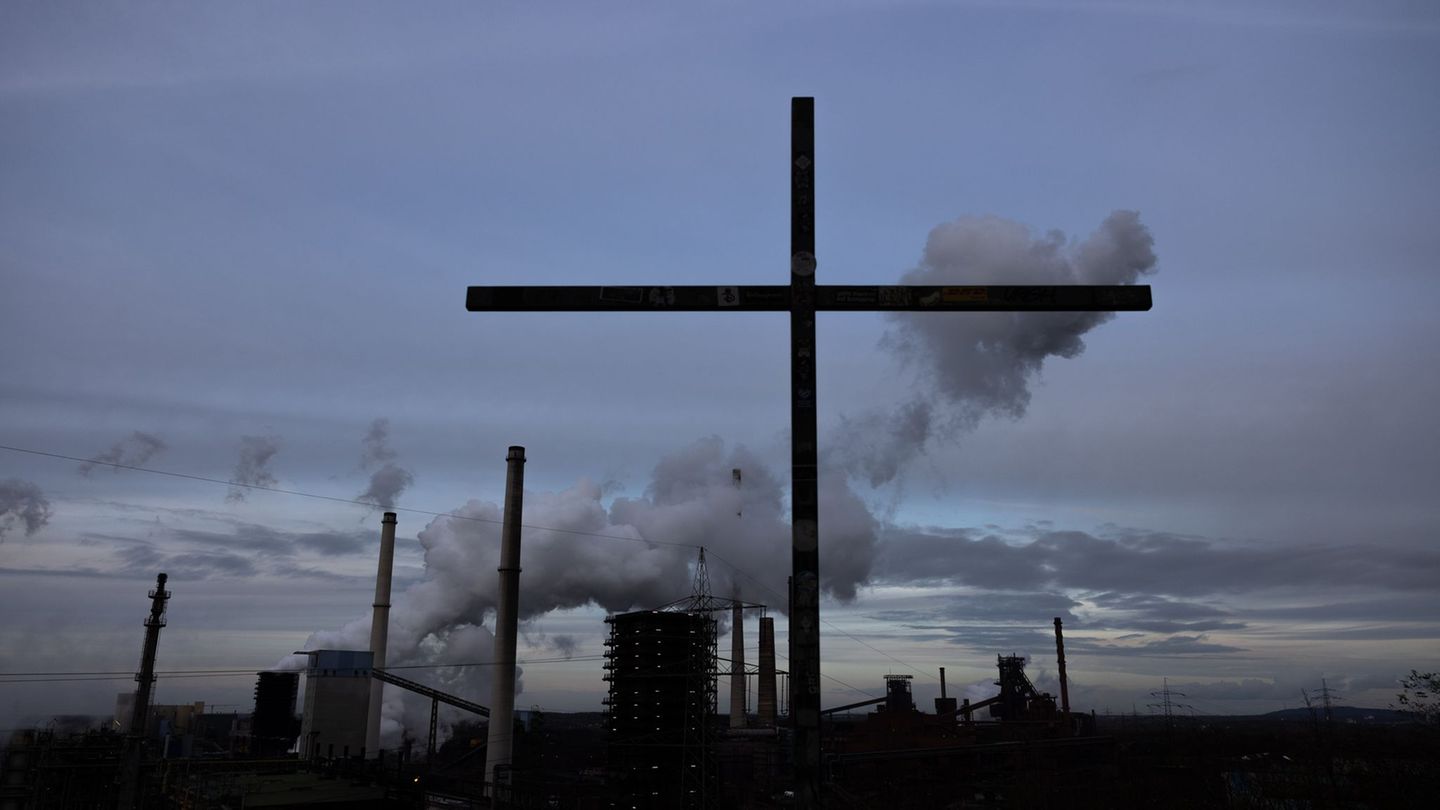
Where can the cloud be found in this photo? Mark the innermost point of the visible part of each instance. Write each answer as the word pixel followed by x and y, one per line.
pixel 22 503
pixel 1157 563
pixel 252 469
pixel 1174 645
pixel 265 540
pixel 565 645
pixel 187 565
pixel 390 480
pixel 1157 614
pixel 978 364
pixel 131 451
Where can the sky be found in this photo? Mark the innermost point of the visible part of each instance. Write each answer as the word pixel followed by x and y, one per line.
pixel 236 242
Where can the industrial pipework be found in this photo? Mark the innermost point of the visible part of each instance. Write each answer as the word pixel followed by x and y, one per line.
pixel 379 631
pixel 502 701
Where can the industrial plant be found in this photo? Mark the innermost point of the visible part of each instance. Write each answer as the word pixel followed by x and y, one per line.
pixel 660 742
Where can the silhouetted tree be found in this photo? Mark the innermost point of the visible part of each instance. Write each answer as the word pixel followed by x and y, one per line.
pixel 1420 695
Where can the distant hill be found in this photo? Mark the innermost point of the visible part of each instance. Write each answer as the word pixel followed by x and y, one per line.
pixel 1343 714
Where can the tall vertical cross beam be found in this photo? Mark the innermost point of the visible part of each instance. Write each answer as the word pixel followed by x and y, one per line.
pixel 802 298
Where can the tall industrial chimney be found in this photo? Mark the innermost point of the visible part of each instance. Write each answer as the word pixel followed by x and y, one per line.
pixel 765 697
pixel 140 714
pixel 737 667
pixel 502 701
pixel 944 705
pixel 379 631
pixel 1060 661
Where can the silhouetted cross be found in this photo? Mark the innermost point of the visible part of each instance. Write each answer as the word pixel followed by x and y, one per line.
pixel 802 298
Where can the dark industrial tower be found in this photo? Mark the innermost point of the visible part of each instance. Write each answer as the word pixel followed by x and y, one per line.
pixel 661 665
pixel 130 785
pixel 146 675
pixel 273 725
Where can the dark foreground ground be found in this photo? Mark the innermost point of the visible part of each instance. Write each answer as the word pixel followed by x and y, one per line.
pixel 1297 761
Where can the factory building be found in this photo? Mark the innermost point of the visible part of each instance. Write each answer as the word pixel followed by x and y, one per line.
pixel 661 669
pixel 337 703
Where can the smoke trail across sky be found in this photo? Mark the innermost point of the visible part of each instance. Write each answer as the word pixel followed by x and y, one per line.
pixel 133 450
pixel 253 467
pixel 972 365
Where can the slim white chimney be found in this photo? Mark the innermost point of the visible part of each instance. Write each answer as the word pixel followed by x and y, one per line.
pixel 380 631
pixel 502 701
pixel 737 667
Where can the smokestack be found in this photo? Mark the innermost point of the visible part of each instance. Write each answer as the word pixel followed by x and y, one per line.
pixel 765 699
pixel 1060 660
pixel 379 631
pixel 502 701
pixel 129 789
pixel 737 667
pixel 944 706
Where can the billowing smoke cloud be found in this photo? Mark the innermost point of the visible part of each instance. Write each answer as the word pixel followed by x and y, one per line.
pixel 252 469
pixel 133 450
pixel 22 503
pixel 979 364
pixel 638 553
pixel 387 482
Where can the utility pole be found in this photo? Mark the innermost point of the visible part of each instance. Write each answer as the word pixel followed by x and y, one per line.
pixel 1167 703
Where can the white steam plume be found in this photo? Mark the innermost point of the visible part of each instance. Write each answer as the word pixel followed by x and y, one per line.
pixel 387 482
pixel 22 503
pixel 252 469
pixel 692 501
pixel 978 364
pixel 375 447
pixel 133 450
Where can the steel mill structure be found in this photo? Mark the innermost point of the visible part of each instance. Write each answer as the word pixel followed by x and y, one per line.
pixel 661 668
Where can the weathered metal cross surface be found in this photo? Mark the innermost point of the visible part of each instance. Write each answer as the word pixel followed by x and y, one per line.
pixel 802 298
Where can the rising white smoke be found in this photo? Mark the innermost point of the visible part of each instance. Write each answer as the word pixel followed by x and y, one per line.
pixel 637 553
pixel 976 364
pixel 390 479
